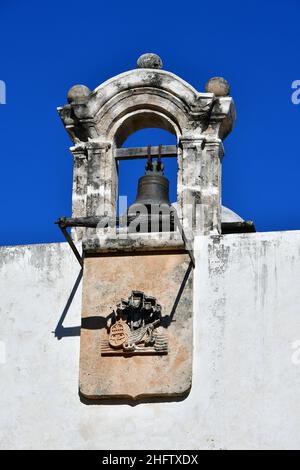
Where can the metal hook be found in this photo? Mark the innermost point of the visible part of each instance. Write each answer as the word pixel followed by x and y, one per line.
pixel 160 165
pixel 149 159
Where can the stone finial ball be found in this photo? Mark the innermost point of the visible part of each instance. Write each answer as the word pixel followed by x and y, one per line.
pixel 78 94
pixel 218 85
pixel 149 61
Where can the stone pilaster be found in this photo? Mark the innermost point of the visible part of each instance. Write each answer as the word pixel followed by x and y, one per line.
pixel 96 177
pixel 98 180
pixel 79 187
pixel 189 188
pixel 211 175
pixel 199 184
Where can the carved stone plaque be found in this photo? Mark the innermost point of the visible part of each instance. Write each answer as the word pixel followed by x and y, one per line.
pixel 131 330
pixel 137 335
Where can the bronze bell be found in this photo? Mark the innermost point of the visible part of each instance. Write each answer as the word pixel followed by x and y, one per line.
pixel 153 195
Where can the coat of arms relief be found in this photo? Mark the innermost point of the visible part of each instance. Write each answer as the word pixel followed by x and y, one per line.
pixel 132 329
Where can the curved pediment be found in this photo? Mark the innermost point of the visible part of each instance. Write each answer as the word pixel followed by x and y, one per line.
pixel 91 114
pixel 160 80
pixel 147 97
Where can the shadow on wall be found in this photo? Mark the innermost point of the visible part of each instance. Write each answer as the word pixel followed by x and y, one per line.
pixel 60 331
pixel 98 323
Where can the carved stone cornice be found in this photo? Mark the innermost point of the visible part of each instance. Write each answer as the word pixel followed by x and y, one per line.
pixel 84 117
pixel 79 151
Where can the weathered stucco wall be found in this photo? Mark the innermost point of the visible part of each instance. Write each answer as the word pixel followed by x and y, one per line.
pixel 246 381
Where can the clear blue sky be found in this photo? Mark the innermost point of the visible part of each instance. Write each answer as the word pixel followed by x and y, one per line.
pixel 46 47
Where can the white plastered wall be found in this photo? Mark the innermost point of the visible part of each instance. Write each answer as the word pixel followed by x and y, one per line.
pixel 246 380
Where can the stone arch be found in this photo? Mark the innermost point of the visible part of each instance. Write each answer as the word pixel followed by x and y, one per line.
pixel 126 124
pixel 151 107
pixel 99 121
pixel 142 119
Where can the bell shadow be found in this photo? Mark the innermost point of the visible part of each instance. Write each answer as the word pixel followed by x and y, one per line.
pixel 60 331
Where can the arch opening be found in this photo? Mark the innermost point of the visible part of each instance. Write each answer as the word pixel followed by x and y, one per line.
pixel 129 171
pixel 144 119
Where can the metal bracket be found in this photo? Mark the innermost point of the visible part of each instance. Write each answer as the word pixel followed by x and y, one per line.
pixel 71 243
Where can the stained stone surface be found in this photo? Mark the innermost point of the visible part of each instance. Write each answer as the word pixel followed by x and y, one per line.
pixel 167 277
pixel 164 241
pixel 219 86
pixel 149 61
pixel 78 94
